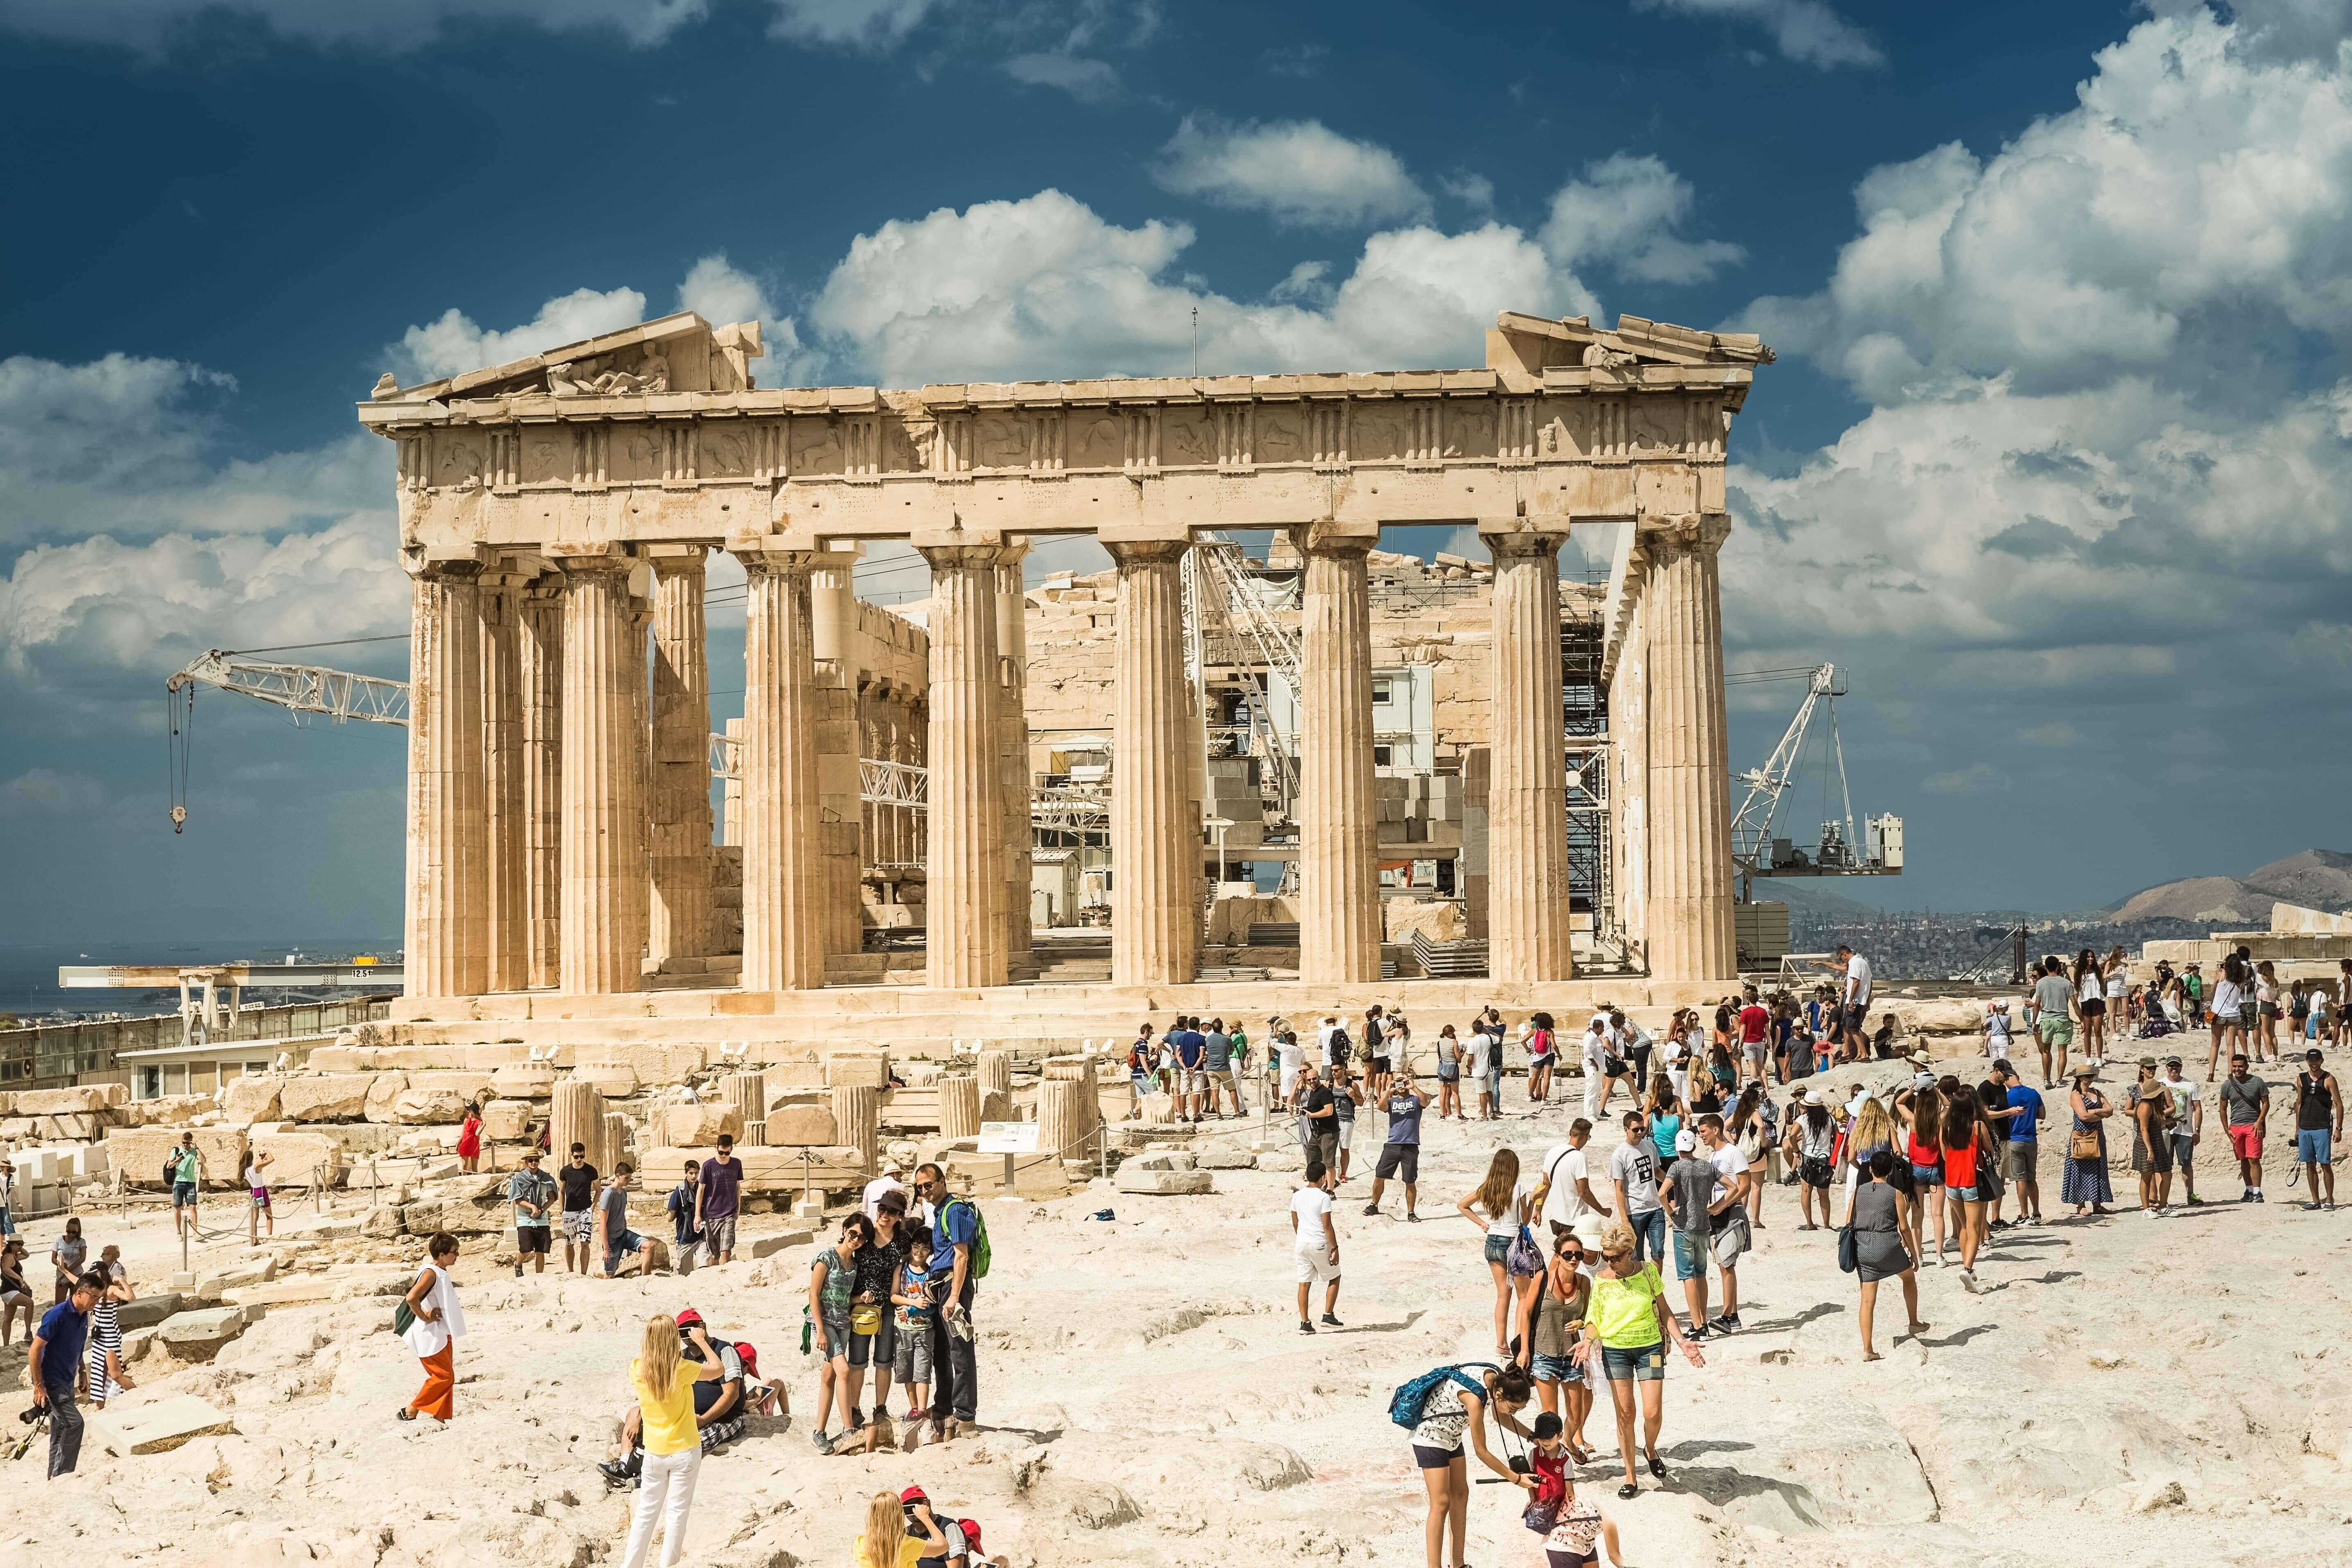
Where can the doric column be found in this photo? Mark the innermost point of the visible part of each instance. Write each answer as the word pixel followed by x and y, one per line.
pixel 507 827
pixel 1629 784
pixel 964 869
pixel 602 934
pixel 543 777
pixel 1690 765
pixel 1012 744
pixel 1154 842
pixel 448 892
pixel 783 924
pixel 840 666
pixel 1526 790
pixel 1338 816
pixel 678 802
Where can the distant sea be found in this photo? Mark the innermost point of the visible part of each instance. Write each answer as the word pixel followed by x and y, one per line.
pixel 28 974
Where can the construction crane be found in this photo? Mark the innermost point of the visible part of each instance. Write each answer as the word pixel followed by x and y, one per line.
pixel 305 690
pixel 1754 851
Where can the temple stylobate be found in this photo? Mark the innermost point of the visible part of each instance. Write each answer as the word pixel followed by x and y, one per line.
pixel 556 511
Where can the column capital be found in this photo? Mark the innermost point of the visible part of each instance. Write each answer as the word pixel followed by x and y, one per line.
pixel 675 557
pixel 444 563
pixel 991 553
pixel 1339 536
pixel 1522 536
pixel 574 558
pixel 1658 536
pixel 1143 552
pixel 762 560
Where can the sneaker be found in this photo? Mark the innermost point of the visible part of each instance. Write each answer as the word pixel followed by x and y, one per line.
pixel 1969 1280
pixel 2258 1197
pixel 823 1441
pixel 1727 1323
pixel 1699 1332
pixel 2327 1208
pixel 1371 1208
pixel 616 1473
pixel 1305 1327
pixel 1413 1218
pixel 1331 1322
pixel 518 1270
pixel 2247 1197
pixel 2195 1201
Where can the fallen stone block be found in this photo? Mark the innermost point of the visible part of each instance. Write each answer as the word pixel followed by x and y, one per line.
pixel 524 1080
pixel 613 1080
pixel 1285 1157
pixel 334 1097
pixel 1226 1160
pixel 381 1094
pixel 1166 1183
pixel 160 1427
pixel 462 1218
pixel 77 1100
pixel 857 1069
pixel 146 1311
pixel 138 1153
pixel 251 1100
pixel 199 1335
pixel 700 1126
pixel 297 1159
pixel 301 1289
pixel 1162 1160
pixel 506 1120
pixel 769 1246
pixel 801 1124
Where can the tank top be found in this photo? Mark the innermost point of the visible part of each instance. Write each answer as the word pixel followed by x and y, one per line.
pixel 1555 1320
pixel 1926 1154
pixel 1960 1167
pixel 2313 1108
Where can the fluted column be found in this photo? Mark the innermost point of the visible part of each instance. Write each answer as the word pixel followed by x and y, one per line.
pixel 1013 745
pixel 964 869
pixel 1153 841
pixel 1339 818
pixel 542 778
pixel 1690 767
pixel 444 929
pixel 507 826
pixel 783 927
pixel 679 801
pixel 1526 792
pixel 602 924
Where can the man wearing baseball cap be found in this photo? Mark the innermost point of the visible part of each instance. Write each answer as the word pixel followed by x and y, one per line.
pixel 531 1190
pixel 2318 1122
pixel 1687 1189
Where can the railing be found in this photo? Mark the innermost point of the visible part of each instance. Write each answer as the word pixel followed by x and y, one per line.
pixel 53 1055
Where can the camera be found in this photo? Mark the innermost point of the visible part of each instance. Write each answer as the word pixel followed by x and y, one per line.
pixel 29 1417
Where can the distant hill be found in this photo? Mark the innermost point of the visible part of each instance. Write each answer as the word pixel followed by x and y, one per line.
pixel 1812 894
pixel 2316 878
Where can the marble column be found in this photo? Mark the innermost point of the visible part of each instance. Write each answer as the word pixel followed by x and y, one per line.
pixel 445 929
pixel 679 801
pixel 1526 790
pixel 603 923
pixel 1629 785
pixel 1013 745
pixel 964 869
pixel 543 777
pixel 506 872
pixel 1154 842
pixel 784 905
pixel 1689 889
pixel 1339 814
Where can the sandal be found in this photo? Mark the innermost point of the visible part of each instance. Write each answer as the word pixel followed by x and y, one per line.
pixel 1628 1491
pixel 1657 1466
pixel 407 1413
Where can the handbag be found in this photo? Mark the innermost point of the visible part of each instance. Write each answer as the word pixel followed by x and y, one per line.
pixel 1847 1258
pixel 2083 1143
pixel 1524 1258
pixel 404 1317
pixel 866 1320
pixel 1541 1515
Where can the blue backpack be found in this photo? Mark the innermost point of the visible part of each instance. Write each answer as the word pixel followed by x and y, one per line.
pixel 1405 1405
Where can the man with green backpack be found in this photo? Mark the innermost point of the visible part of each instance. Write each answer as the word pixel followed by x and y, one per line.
pixel 959 1258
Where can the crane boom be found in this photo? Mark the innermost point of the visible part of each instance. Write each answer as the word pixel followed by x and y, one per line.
pixel 302 687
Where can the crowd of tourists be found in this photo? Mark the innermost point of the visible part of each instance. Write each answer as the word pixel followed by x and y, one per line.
pixel 1580 1245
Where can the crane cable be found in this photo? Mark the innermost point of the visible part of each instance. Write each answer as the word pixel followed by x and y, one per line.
pixel 179 727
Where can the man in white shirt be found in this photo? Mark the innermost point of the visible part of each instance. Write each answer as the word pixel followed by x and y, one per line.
pixel 887 1182
pixel 1729 1207
pixel 1315 1244
pixel 1571 1203
pixel 1599 1041
pixel 1480 1051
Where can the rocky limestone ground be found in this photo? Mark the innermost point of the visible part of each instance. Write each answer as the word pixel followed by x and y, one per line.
pixel 2132 1391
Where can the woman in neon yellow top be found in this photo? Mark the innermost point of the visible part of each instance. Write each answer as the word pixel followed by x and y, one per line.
pixel 664 1389
pixel 1627 1327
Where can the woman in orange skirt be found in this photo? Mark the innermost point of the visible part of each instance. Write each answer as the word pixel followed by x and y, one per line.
pixel 437 1322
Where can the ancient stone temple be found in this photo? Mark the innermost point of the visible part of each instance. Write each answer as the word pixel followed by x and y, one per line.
pixel 556 513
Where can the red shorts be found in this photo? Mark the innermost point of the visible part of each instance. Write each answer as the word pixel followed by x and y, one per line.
pixel 2246 1142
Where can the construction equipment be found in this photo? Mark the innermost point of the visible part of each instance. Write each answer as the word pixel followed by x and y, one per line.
pixel 1754 851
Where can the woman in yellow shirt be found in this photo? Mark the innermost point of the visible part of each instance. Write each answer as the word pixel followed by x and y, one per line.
pixel 665 1388
pixel 1627 1327
pixel 887 1543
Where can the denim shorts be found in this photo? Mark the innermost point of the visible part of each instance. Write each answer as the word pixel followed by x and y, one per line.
pixel 2312 1146
pixel 1927 1175
pixel 1641 1363
pixel 1690 1255
pixel 1556 1368
pixel 1499 1249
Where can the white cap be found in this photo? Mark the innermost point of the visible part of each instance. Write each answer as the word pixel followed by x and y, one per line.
pixel 1685 1140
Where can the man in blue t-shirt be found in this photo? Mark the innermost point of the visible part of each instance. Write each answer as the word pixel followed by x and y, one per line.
pixel 1400 1156
pixel 1191 1084
pixel 53 1359
pixel 955 1369
pixel 2024 1114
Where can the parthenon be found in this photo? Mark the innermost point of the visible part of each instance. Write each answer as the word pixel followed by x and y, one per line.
pixel 554 509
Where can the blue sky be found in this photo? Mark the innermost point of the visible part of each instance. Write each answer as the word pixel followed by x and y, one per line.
pixel 2051 458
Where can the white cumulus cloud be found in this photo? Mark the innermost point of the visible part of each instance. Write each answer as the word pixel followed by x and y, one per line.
pixel 1624 213
pixel 1804 30
pixel 1299 171
pixel 454 343
pixel 875 25
pixel 1087 80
